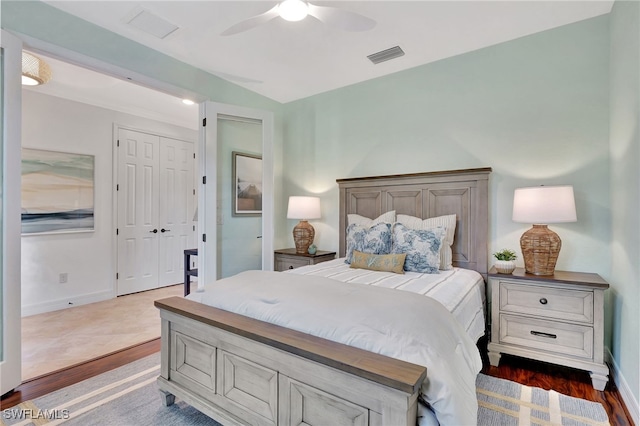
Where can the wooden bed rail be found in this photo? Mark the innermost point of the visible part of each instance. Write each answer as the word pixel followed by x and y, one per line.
pixel 390 372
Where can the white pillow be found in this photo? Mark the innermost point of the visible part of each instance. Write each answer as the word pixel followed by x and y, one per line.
pixel 447 221
pixel 388 217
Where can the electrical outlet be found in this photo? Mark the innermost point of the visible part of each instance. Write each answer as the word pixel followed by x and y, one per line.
pixel 63 278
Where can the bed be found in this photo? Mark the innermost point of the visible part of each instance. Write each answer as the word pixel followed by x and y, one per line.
pixel 240 367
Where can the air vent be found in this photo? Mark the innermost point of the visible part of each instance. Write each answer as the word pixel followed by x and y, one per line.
pixel 152 24
pixel 385 55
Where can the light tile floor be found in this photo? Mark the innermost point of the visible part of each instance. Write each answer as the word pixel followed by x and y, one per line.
pixel 59 339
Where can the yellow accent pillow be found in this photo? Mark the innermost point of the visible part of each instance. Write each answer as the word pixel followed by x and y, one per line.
pixel 379 262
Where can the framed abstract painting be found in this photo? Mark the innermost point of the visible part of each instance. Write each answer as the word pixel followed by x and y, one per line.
pixel 57 192
pixel 247 184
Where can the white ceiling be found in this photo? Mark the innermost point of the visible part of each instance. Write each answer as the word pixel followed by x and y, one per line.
pixel 89 87
pixel 286 61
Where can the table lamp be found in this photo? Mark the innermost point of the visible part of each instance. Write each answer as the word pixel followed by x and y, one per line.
pixel 303 208
pixel 540 206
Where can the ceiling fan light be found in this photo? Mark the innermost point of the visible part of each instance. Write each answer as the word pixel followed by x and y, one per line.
pixel 35 71
pixel 293 10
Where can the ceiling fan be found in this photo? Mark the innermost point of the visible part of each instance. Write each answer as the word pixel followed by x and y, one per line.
pixel 297 10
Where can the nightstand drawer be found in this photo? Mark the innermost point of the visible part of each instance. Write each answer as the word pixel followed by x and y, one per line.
pixel 552 336
pixel 566 305
pixel 285 262
pixel 286 259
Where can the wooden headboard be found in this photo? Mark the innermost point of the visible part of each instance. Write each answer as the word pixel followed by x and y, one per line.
pixel 424 195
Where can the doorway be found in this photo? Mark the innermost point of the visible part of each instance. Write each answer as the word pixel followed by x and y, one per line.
pixel 88 260
pixel 229 129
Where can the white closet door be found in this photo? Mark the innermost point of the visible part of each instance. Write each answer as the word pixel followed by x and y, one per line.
pixel 176 208
pixel 138 214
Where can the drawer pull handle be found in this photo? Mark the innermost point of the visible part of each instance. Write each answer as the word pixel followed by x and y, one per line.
pixel 543 301
pixel 290 267
pixel 541 334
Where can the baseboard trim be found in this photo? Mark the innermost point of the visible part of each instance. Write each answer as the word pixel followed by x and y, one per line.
pixel 56 305
pixel 623 387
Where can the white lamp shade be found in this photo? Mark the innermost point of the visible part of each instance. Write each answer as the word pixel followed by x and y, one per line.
pixel 303 208
pixel 544 204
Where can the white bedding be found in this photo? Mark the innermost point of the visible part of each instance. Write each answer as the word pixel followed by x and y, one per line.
pixel 393 323
pixel 461 291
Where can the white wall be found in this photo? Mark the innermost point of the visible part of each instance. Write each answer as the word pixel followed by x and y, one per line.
pixel 88 258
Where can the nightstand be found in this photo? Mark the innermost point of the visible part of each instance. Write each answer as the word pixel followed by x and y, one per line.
pixel 557 319
pixel 288 258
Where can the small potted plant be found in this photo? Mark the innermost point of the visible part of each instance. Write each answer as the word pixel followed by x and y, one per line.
pixel 506 261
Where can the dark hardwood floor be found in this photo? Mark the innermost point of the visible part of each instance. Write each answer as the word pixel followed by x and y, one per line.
pixel 528 372
pixel 42 385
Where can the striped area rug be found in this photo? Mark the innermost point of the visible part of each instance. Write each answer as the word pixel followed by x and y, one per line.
pixel 128 396
pixel 502 402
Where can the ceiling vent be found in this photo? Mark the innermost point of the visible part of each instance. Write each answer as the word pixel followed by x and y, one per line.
pixel 152 24
pixel 385 55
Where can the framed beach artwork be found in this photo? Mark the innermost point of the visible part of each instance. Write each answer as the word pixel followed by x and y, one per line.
pixel 247 184
pixel 57 192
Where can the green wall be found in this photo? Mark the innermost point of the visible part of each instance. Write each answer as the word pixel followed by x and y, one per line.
pixel 534 109
pixel 625 190
pixel 239 248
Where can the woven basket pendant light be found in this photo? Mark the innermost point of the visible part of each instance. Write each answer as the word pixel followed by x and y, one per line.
pixel 35 71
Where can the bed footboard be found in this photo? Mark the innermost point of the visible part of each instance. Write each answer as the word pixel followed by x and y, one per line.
pixel 241 371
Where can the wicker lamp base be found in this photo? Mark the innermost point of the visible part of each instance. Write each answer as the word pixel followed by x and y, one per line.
pixel 540 248
pixel 303 235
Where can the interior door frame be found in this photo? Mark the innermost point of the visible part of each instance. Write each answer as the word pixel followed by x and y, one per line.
pixel 76 58
pixel 11 361
pixel 208 192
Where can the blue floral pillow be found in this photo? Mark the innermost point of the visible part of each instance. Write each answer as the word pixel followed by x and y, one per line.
pixel 422 247
pixel 373 240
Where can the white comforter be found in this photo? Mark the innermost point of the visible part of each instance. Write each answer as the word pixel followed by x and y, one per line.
pixel 461 291
pixel 390 322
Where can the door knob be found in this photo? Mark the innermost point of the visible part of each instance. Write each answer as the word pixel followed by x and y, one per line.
pixel 165 230
pixel 155 231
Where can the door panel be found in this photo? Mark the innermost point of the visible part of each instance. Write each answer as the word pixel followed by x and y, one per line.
pixel 138 215
pixel 176 207
pixel 155 205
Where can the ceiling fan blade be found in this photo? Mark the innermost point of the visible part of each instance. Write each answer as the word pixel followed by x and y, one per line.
pixel 340 18
pixel 252 22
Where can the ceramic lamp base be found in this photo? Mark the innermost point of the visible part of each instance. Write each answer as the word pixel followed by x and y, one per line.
pixel 540 248
pixel 303 235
